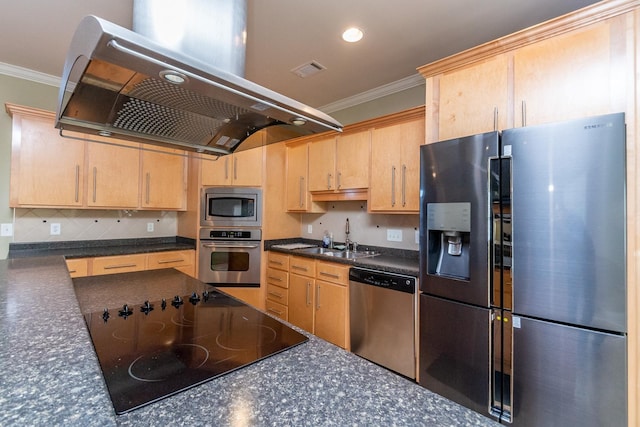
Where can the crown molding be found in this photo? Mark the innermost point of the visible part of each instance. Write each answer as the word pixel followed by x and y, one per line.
pixel 27 74
pixel 375 93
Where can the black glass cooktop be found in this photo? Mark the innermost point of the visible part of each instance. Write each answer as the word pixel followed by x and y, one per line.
pixel 158 348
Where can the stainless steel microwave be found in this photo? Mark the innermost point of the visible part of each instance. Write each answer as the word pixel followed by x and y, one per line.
pixel 231 207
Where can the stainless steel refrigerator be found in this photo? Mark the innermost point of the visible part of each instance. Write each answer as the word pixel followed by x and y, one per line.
pixel 523 313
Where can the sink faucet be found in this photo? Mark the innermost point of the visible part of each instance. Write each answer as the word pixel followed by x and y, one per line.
pixel 347 241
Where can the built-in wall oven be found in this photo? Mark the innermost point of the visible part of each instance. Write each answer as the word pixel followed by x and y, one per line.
pixel 230 256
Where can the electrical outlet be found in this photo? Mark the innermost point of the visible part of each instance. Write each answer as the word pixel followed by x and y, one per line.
pixel 394 235
pixel 55 229
pixel 6 230
pixel 417 237
pixel 150 227
pixel 310 229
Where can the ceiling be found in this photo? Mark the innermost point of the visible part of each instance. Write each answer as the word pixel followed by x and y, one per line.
pixel 400 36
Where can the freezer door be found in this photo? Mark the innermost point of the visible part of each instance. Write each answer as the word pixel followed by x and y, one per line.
pixel 568 221
pixel 567 376
pixel 454 218
pixel 454 351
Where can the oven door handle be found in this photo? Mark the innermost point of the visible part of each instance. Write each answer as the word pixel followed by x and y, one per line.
pixel 216 245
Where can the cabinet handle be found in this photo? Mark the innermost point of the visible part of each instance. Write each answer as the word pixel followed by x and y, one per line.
pixel 226 168
pixel 277 279
pixel 495 118
pixel 275 262
pixel 235 168
pixel 148 182
pixel 274 311
pixel 393 186
pixel 338 184
pixel 275 294
pixel 334 276
pixel 308 293
pixel 328 181
pixel 95 179
pixel 77 181
pixel 299 267
pixel 404 182
pixel 301 190
pixel 72 271
pixel 318 297
pixel 524 113
pixel 111 267
pixel 169 261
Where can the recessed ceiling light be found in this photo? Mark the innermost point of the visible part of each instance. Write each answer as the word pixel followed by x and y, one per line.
pixel 352 35
pixel 173 76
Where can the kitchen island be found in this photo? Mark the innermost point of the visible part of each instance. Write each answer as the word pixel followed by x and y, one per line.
pixel 49 374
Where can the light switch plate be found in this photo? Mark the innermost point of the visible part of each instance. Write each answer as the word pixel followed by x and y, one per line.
pixel 310 229
pixel 6 230
pixel 417 237
pixel 55 229
pixel 394 235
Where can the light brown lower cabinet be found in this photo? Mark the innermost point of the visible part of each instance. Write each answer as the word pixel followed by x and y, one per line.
pixel 180 260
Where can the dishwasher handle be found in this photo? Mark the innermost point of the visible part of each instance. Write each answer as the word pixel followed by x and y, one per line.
pixel 383 279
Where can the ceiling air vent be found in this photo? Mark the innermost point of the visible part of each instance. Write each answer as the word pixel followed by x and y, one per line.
pixel 308 69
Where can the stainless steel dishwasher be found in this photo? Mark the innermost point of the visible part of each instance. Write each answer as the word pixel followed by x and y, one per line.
pixel 383 319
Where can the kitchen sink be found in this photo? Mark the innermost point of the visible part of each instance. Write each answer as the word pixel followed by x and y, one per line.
pixel 336 253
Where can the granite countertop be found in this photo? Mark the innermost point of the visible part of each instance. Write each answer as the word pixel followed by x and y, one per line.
pixel 399 261
pixel 51 376
pixel 97 248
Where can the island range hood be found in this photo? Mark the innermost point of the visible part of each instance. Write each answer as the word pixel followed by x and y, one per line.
pixel 119 83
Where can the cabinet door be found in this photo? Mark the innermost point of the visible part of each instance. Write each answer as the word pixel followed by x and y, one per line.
pixel 164 183
pixel 216 171
pixel 330 312
pixel 576 75
pixel 322 164
pixel 473 99
pixel 352 160
pixel 395 166
pixel 46 170
pixel 301 301
pixel 297 178
pixel 113 175
pixel 247 167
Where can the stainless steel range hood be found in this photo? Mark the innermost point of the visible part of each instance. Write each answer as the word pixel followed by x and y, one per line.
pixel 119 83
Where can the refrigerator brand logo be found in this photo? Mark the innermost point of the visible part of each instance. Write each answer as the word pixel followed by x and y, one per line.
pixel 598 125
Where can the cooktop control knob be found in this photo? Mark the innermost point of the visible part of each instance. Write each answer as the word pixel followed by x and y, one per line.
pixel 105 315
pixel 125 311
pixel 194 298
pixel 163 304
pixel 205 295
pixel 177 301
pixel 146 307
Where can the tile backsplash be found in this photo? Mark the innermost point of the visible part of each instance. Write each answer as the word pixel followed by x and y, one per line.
pixel 35 225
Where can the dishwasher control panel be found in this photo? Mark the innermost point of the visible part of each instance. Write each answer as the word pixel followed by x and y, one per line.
pixel 396 282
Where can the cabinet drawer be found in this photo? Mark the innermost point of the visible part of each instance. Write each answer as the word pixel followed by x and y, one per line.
pixel 119 264
pixel 278 260
pixel 277 294
pixel 277 278
pixel 170 259
pixel 302 266
pixel 277 310
pixel 333 272
pixel 78 267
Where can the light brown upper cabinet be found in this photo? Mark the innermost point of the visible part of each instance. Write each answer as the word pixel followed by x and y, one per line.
pixel 578 74
pixel 395 164
pixel 164 174
pixel 339 163
pixel 243 168
pixel 473 99
pixel 48 170
pixel 569 69
pixel 113 175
